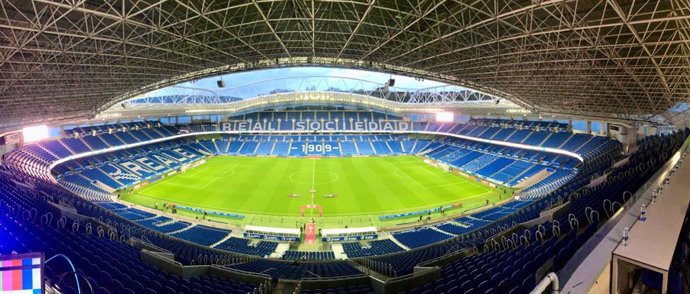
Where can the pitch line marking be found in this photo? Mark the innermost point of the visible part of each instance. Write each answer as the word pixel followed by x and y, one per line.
pixel 442 185
pixel 160 181
pixel 196 171
pixel 291 177
pixel 250 212
pixel 406 175
pixel 345 214
pixel 202 168
pixel 313 175
pixel 410 208
pixel 175 184
pixel 231 169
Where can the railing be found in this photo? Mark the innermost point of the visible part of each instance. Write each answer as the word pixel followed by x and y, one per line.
pixel 551 279
pixel 593 256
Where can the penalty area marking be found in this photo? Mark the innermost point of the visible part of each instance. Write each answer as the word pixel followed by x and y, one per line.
pixel 398 171
pixel 409 209
pixel 224 173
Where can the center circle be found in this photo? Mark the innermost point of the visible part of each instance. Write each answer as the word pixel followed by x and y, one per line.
pixel 321 177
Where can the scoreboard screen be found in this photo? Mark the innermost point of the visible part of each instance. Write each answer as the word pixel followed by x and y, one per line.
pixel 21 273
pixel 35 133
pixel 445 117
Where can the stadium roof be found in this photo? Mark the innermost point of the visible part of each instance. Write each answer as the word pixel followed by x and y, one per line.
pixel 282 88
pixel 74 58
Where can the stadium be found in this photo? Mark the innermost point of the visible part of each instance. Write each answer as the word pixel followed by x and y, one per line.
pixel 365 146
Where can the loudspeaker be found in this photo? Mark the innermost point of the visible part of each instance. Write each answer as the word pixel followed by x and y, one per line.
pixel 221 84
pixel 391 83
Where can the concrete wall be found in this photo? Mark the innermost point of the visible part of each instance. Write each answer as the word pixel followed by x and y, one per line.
pixel 627 135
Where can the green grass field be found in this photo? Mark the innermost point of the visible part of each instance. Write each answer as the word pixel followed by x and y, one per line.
pixel 365 188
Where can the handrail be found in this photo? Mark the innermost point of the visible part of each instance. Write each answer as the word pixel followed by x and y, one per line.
pixel 599 248
pixel 74 271
pixel 550 279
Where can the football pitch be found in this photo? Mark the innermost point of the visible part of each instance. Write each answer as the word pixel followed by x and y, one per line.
pixel 262 188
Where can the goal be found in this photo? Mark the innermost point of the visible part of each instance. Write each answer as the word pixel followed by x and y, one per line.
pixel 311 206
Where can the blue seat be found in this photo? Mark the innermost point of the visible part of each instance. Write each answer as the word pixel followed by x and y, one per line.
pixel 467 285
pixel 483 286
pixel 529 283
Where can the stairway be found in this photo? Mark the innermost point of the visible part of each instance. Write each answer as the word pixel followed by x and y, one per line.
pixel 118 137
pixel 48 151
pixel 566 141
pixel 356 148
pixel 104 142
pixel 272 148
pixel 509 135
pixel 66 147
pixel 385 235
pixel 389 146
pixel 585 143
pixel 159 132
pixel 545 138
pixel 441 231
pixel 108 175
pixel 221 241
pixel 414 146
pixel 240 149
pixel 181 230
pixel 145 135
pixel 501 169
pixel 227 147
pixel 280 250
pixel 255 148
pixel 87 144
pixel 519 175
pixel 216 146
pixel 338 251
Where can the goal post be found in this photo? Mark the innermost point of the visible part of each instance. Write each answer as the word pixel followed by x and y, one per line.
pixel 311 206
